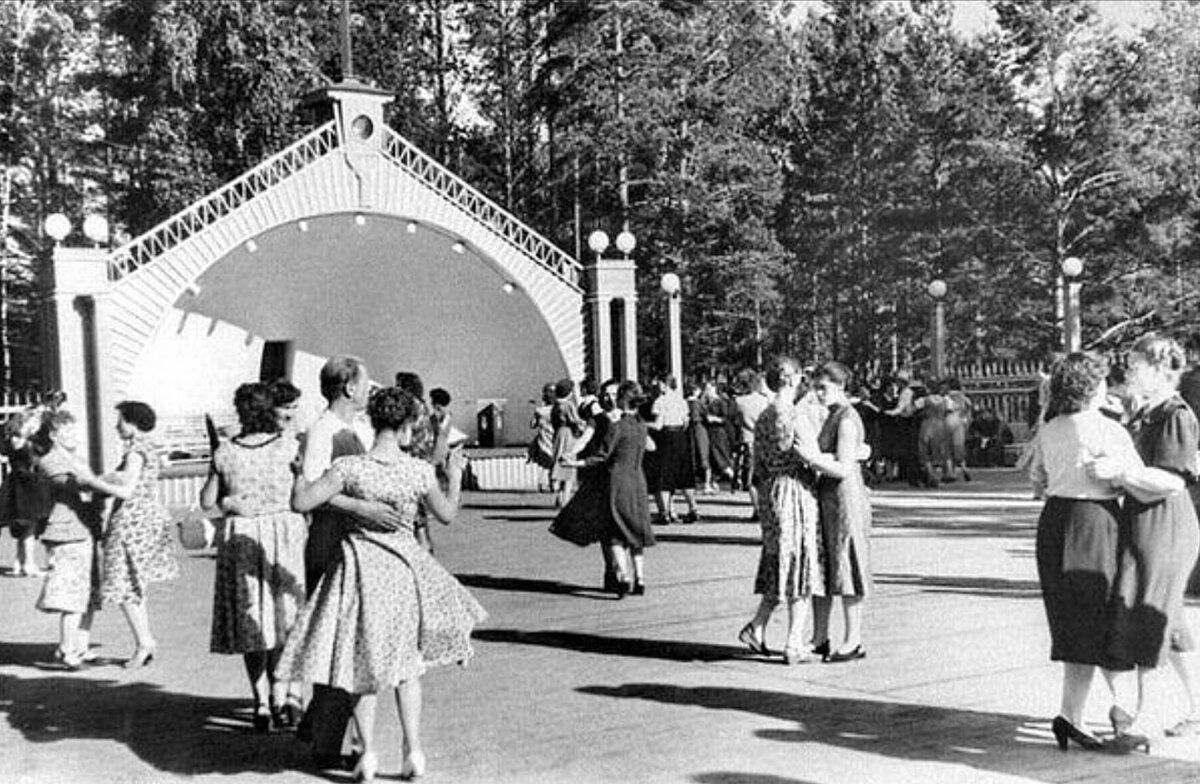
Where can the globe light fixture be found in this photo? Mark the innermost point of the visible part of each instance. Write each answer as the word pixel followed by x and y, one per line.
pixel 302 225
pixel 937 290
pixel 95 228
pixel 251 246
pixel 412 227
pixel 360 219
pixel 1072 268
pixel 458 247
pixel 598 242
pixel 670 285
pixel 509 287
pixel 57 227
pixel 626 242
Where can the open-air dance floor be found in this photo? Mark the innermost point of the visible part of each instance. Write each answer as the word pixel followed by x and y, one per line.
pixel 572 685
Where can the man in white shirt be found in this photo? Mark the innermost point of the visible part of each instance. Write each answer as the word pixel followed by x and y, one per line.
pixel 339 431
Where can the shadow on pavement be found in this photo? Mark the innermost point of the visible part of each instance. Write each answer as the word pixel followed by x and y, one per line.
pixel 748 541
pixel 957 522
pixel 1003 743
pixel 975 586
pixel 524 585
pixel 727 777
pixel 634 647
pixel 184 734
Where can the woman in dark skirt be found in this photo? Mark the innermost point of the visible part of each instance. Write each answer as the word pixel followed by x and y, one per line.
pixel 673 459
pixel 617 509
pixel 1077 536
pixel 1160 540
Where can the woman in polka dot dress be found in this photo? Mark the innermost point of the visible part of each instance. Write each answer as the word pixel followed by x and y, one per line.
pixel 388 611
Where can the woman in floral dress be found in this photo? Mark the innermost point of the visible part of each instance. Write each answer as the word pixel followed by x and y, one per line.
pixel 790 568
pixel 259 586
pixel 138 548
pixel 388 610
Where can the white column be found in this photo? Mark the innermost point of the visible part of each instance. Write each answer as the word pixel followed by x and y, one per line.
pixel 76 340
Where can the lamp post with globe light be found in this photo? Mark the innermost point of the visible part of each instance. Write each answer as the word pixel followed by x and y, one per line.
pixel 1072 268
pixel 611 302
pixel 671 285
pixel 937 291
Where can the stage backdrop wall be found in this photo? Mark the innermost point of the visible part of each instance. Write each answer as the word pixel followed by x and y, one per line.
pixel 401 300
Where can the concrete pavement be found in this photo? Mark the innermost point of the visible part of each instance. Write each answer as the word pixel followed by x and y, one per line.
pixel 571 685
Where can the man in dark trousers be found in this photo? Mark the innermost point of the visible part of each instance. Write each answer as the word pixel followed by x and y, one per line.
pixel 339 431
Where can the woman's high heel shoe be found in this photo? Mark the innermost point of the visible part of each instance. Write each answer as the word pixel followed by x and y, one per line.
pixel 752 641
pixel 262 719
pixel 367 767
pixel 1129 742
pixel 291 712
pixel 141 657
pixel 1120 719
pixel 414 766
pixel 1064 732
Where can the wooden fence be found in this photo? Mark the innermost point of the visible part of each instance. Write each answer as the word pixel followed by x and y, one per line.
pixel 1008 388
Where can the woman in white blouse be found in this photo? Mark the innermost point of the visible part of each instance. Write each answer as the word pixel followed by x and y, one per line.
pixel 1077 532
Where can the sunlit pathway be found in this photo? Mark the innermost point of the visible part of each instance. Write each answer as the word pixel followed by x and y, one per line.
pixel 570 685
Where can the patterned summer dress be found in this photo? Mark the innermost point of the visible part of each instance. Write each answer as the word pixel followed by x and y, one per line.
pixel 259 587
pixel 388 610
pixel 791 564
pixel 138 548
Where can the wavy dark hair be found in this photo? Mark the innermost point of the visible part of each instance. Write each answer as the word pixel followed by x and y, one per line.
pixel 138 414
pixel 391 408
pixel 255 404
pixel 1074 380
pixel 284 392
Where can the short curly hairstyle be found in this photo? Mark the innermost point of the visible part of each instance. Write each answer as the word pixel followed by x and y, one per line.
pixel 284 392
pixel 391 408
pixel 1074 380
pixel 1161 352
pixel 255 406
pixel 138 414
pixel 52 422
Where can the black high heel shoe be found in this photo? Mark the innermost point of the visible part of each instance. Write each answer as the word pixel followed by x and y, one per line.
pixel 1064 732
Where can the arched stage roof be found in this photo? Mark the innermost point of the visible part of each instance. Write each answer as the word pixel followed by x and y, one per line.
pixel 338 206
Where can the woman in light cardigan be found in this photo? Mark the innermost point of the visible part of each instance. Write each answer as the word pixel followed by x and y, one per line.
pixel 1078 531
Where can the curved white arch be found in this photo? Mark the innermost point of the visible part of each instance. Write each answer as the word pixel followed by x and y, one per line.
pixel 316 177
